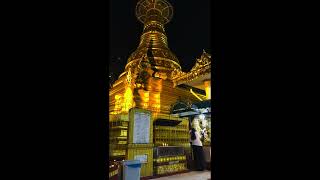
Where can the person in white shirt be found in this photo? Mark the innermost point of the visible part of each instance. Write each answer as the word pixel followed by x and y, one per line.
pixel 197 149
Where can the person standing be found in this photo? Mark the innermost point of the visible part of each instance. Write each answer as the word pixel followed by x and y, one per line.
pixel 197 149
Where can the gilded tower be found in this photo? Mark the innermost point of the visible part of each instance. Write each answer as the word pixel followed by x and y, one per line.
pixel 154 81
pixel 151 73
pixel 154 14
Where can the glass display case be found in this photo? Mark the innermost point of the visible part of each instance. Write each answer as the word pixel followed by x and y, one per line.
pixel 171 141
pixel 169 159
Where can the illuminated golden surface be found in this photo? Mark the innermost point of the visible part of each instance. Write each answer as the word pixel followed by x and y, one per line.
pixel 202 67
pixel 128 102
pixel 195 95
pixel 207 85
pixel 150 82
pixel 154 14
pixel 150 89
pixel 159 10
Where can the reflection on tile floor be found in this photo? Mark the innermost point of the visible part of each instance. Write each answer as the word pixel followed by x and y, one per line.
pixel 194 175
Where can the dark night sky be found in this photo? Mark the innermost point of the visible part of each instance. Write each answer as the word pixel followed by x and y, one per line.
pixel 188 32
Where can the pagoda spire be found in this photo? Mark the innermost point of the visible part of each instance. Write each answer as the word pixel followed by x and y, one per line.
pixel 154 14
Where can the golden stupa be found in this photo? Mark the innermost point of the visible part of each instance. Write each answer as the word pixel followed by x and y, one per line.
pixel 153 72
pixel 154 81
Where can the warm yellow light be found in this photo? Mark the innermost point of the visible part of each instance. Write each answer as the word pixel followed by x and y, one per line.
pixel 208 92
pixel 117 107
pixel 156 98
pixel 117 97
pixel 195 95
pixel 145 105
pixel 146 96
pixel 128 100
pixel 155 102
pixel 207 85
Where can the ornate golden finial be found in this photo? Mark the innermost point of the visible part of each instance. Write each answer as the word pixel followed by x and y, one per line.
pixel 204 53
pixel 160 11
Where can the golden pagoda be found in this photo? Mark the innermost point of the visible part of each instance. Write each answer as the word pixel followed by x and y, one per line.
pixel 153 71
pixel 153 80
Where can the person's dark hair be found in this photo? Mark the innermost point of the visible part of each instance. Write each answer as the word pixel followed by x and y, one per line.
pixel 193 134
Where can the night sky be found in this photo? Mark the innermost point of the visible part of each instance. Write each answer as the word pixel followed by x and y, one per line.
pixel 188 32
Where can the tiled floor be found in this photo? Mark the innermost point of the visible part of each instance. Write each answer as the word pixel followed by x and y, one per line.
pixel 193 175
